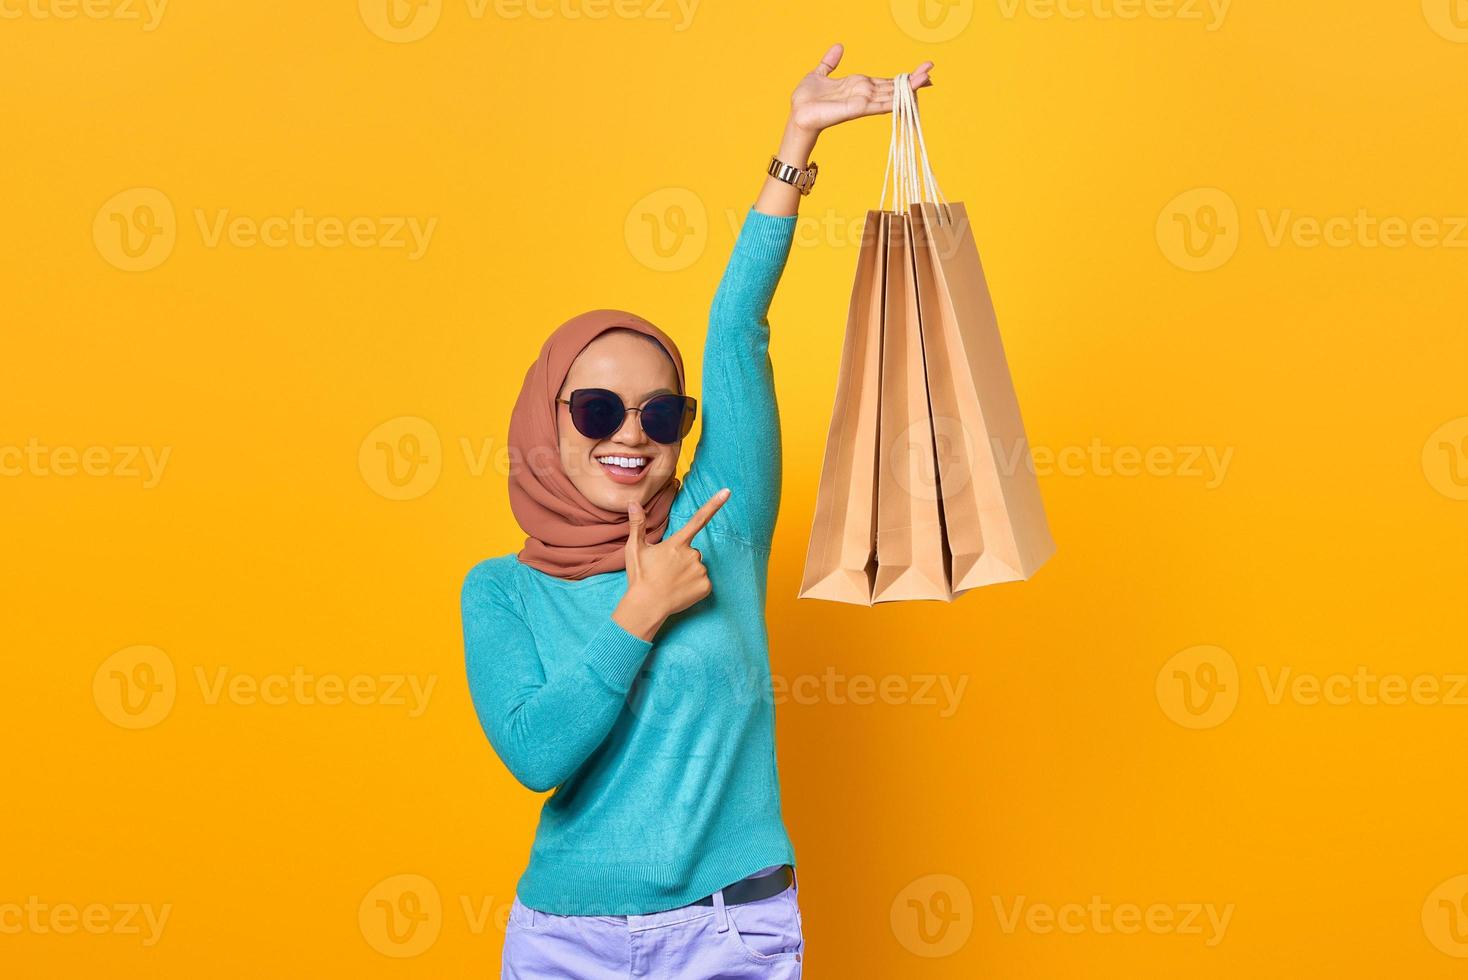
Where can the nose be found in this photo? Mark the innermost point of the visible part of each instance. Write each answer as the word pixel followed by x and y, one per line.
pixel 630 434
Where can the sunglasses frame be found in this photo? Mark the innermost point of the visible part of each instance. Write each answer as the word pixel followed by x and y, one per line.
pixel 690 411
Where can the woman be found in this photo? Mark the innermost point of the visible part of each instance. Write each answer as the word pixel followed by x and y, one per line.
pixel 621 656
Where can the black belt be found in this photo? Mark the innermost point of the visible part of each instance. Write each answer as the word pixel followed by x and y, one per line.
pixel 754 889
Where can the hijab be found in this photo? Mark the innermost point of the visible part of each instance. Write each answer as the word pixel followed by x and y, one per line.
pixel 567 535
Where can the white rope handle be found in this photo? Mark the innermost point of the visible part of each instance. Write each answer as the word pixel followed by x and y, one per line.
pixel 907 154
pixel 933 193
pixel 902 202
pixel 892 157
pixel 914 187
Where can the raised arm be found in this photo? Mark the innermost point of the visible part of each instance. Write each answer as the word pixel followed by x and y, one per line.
pixel 542 728
pixel 739 446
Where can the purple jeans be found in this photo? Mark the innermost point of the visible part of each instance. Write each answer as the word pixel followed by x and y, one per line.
pixel 761 939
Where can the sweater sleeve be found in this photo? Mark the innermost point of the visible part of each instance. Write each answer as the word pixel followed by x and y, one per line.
pixel 543 728
pixel 739 444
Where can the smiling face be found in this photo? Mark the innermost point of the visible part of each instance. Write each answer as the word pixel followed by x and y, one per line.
pixel 636 367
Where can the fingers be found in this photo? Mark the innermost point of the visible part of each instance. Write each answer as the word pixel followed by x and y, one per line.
pixel 914 82
pixel 877 91
pixel 636 521
pixel 884 89
pixel 700 517
pixel 831 59
pixel 920 77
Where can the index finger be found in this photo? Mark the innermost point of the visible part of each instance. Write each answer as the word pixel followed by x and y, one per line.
pixel 700 517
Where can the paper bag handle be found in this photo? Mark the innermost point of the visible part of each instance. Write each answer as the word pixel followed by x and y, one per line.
pixel 913 180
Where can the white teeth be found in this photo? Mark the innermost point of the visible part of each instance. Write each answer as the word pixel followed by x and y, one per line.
pixel 628 462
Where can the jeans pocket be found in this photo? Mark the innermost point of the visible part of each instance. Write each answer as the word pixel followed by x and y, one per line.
pixel 769 929
pixel 522 917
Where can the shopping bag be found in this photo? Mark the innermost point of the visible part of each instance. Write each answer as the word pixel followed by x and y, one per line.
pixel 841 559
pixel 994 520
pixel 926 396
pixel 910 560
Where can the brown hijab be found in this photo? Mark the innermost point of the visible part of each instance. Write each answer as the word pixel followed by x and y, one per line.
pixel 568 536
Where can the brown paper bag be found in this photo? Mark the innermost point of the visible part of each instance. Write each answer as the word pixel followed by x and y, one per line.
pixel 993 516
pixel 927 488
pixel 840 561
pixel 910 560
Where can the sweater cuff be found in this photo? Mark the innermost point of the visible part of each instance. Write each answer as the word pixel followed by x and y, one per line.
pixel 616 655
pixel 768 234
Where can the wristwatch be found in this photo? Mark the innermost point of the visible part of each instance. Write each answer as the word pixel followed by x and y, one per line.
pixel 801 180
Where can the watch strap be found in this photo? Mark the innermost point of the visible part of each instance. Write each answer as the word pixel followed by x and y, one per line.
pixel 801 179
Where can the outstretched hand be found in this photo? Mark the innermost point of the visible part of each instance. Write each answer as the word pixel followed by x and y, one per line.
pixel 821 101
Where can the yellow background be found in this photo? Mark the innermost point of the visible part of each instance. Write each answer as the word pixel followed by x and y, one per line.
pixel 548 149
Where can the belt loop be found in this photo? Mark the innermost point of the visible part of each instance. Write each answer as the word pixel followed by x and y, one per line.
pixel 721 911
pixel 533 913
pixel 794 880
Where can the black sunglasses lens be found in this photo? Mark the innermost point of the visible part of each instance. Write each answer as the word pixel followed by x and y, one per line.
pixel 596 413
pixel 666 418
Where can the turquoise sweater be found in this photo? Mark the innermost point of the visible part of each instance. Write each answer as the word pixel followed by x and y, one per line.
pixel 662 754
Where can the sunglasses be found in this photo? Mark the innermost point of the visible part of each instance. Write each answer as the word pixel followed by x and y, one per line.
pixel 597 413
